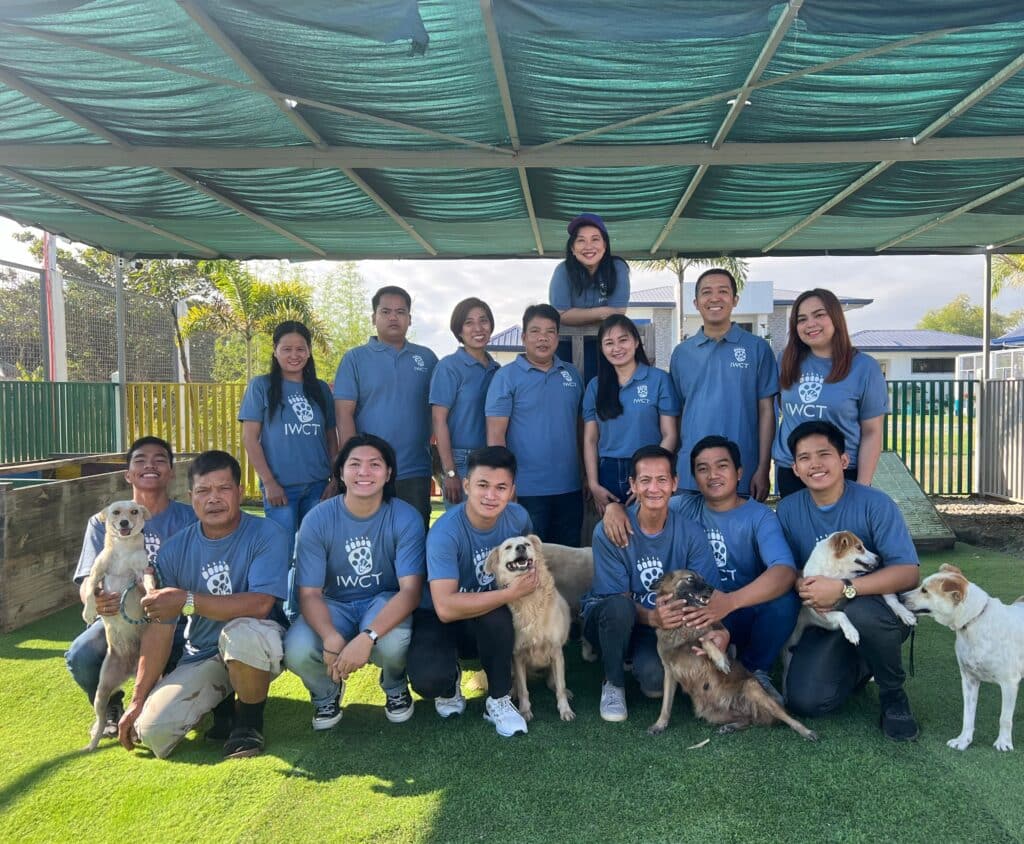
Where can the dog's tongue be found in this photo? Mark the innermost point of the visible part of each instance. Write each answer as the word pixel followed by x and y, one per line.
pixel 125 531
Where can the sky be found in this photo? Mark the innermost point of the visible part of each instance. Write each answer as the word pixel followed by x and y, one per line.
pixel 903 287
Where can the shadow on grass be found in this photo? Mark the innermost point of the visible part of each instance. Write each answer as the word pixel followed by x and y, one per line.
pixel 33 777
pixel 21 652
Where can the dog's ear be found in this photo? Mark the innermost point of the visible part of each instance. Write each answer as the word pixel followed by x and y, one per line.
pixel 950 568
pixel 537 543
pixel 491 563
pixel 955 587
pixel 843 542
pixel 146 515
pixel 102 515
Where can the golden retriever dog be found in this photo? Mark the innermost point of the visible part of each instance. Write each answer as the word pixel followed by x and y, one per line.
pixel 989 643
pixel 721 693
pixel 541 620
pixel 119 567
pixel 572 569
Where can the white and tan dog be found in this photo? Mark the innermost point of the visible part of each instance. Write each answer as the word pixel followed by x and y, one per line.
pixel 839 555
pixel 541 620
pixel 120 565
pixel 989 643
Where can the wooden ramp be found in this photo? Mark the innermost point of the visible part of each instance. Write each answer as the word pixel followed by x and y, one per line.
pixel 927 529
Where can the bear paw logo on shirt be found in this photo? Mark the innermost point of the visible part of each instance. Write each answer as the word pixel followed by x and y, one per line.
pixel 651 571
pixel 641 391
pixel 419 363
pixel 360 555
pixel 218 577
pixel 301 407
pixel 567 377
pixel 740 354
pixel 810 387
pixel 484 578
pixel 718 549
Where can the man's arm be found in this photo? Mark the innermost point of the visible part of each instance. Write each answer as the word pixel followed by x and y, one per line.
pixel 345 414
pixel 497 428
pixel 822 593
pixel 760 481
pixel 157 640
pixel 669 426
pixel 767 586
pixel 442 436
pixel 588 316
pixel 165 604
pixel 357 652
pixel 452 605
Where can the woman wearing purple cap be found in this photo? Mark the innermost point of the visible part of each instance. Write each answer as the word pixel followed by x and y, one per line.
pixel 590 285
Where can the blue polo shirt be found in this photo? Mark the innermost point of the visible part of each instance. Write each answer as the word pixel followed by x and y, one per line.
pixel 639 566
pixel 390 389
pixel 720 383
pixel 457 551
pixel 155 531
pixel 863 510
pixel 294 440
pixel 543 412
pixel 253 558
pixel 745 541
pixel 352 558
pixel 646 397
pixel 862 394
pixel 460 383
pixel 562 296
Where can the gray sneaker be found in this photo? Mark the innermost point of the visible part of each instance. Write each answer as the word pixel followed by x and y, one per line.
pixel 613 703
pixel 765 680
pixel 446 707
pixel 503 714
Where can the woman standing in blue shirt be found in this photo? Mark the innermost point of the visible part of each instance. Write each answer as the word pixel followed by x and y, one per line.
pixel 628 405
pixel 458 390
pixel 823 377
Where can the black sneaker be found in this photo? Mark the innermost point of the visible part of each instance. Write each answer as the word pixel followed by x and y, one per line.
pixel 399 706
pixel 115 709
pixel 327 715
pixel 896 720
pixel 243 742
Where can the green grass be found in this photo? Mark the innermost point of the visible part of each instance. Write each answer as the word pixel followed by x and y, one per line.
pixel 435 781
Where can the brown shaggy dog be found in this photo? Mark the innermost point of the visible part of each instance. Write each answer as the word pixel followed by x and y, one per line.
pixel 541 620
pixel 721 694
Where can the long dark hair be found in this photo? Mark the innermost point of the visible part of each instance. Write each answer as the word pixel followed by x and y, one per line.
pixel 604 276
pixel 796 349
pixel 310 384
pixel 609 405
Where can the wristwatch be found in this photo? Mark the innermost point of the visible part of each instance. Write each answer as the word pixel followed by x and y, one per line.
pixel 849 590
pixel 450 473
pixel 369 631
pixel 190 604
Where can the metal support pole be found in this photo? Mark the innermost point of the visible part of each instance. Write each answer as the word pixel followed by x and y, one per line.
pixel 122 363
pixel 57 337
pixel 986 448
pixel 44 326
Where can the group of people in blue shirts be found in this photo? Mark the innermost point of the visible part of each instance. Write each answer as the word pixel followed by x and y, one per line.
pixel 677 464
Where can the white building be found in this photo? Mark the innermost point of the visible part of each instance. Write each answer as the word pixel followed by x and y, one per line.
pixel 916 354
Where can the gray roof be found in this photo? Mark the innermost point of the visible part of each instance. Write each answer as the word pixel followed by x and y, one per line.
pixel 788 297
pixel 914 340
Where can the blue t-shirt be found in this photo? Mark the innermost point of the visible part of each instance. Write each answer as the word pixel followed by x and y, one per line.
pixel 543 416
pixel 460 383
pixel 155 531
pixel 294 441
pixel 863 394
pixel 390 389
pixel 744 541
pixel 562 296
pixel 863 510
pixel 253 558
pixel 457 551
pixel 640 565
pixel 720 383
pixel 646 397
pixel 352 558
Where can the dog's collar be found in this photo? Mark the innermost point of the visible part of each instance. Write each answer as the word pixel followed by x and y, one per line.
pixel 962 628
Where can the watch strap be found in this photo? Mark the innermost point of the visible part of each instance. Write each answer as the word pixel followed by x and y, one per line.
pixel 369 631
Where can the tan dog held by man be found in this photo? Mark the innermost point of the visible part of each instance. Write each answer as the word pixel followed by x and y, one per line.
pixel 989 643
pixel 119 567
pixel 541 620
pixel 721 693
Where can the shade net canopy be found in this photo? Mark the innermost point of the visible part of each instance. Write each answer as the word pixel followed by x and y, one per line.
pixel 472 128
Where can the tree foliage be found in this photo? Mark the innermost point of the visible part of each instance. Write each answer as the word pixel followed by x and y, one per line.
pixel 342 301
pixel 960 316
pixel 1007 271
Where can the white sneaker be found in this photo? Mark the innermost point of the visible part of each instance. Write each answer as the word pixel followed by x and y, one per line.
pixel 503 714
pixel 613 703
pixel 446 707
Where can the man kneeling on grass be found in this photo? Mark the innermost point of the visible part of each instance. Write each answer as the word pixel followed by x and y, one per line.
pixel 224 573
pixel 359 569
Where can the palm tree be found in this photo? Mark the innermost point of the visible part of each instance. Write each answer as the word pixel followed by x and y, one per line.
pixel 679 264
pixel 248 307
pixel 1007 271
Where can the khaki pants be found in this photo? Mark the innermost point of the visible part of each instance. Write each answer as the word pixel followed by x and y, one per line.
pixel 181 699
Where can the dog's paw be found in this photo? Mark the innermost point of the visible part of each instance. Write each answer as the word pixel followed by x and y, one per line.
pixel 566 714
pixel 527 713
pixel 811 735
pixel 960 742
pixel 906 616
pixel 656 729
pixel 852 635
pixel 1003 743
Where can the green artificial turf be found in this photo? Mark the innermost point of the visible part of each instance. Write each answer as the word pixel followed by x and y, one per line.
pixel 428 780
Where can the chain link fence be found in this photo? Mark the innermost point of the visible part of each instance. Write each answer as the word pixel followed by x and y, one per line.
pixel 21 337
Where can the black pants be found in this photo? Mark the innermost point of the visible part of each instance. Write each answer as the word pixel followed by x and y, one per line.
pixel 416 491
pixel 434 652
pixel 826 669
pixel 786 481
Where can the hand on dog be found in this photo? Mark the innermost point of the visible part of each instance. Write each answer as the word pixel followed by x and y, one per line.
pixel 820 593
pixel 717 608
pixel 524 585
pixel 718 638
pixel 616 525
pixel 668 613
pixel 107 603
pixel 602 498
pixel 164 604
pixel 274 493
pixel 353 656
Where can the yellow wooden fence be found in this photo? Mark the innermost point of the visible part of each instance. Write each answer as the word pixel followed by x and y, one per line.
pixel 192 418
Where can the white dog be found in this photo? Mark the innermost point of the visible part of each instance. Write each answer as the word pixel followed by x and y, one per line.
pixel 989 643
pixel 839 555
pixel 120 566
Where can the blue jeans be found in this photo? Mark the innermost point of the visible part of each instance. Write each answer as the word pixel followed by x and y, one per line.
pixel 556 518
pixel 85 655
pixel 759 632
pixel 303 648
pixel 460 456
pixel 301 499
pixel 613 475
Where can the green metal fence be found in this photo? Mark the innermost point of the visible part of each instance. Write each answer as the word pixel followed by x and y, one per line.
pixel 931 426
pixel 40 418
